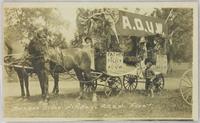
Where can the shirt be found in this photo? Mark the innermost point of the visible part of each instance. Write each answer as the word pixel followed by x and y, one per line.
pixel 149 73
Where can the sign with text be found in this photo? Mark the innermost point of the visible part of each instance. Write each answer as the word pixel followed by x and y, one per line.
pixel 114 61
pixel 161 63
pixel 138 25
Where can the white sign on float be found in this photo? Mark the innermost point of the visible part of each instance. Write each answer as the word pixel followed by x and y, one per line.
pixel 161 64
pixel 114 62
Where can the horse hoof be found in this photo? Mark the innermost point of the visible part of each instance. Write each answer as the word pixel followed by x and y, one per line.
pixel 55 91
pixel 79 98
pixel 55 94
pixel 94 98
pixel 47 99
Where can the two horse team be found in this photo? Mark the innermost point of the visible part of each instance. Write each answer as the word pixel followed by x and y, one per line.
pixel 43 59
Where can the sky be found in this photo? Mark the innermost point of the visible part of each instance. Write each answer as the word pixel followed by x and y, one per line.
pixel 69 14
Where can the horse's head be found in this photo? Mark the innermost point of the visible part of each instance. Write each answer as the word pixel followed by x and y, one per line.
pixel 36 47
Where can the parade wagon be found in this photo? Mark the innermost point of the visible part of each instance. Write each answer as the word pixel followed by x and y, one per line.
pixel 111 72
pixel 109 69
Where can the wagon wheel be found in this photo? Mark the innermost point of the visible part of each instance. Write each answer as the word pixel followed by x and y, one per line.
pixel 96 76
pixel 113 85
pixel 130 82
pixel 186 87
pixel 159 83
pixel 90 86
pixel 95 84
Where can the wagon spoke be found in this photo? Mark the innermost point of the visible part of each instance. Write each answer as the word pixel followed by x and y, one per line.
pixel 130 87
pixel 189 78
pixel 108 91
pixel 127 84
pixel 134 84
pixel 188 98
pixel 186 82
pixel 188 95
pixel 116 87
pixel 184 92
pixel 126 78
pixel 88 88
pixel 186 86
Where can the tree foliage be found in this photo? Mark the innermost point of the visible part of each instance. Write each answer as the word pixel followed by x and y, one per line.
pixel 180 25
pixel 179 22
pixel 23 24
pixel 96 23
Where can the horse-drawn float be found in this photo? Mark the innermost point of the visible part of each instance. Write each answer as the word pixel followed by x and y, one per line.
pixel 112 68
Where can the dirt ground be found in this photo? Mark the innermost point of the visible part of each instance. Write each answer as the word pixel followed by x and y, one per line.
pixel 167 104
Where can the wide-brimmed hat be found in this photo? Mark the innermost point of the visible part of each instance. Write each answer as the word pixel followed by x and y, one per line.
pixel 88 38
pixel 142 40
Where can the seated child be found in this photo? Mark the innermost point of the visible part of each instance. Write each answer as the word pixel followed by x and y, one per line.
pixel 149 76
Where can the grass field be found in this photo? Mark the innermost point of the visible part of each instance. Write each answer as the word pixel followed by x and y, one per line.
pixel 169 104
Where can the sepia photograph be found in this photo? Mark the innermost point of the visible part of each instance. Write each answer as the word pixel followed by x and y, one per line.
pixel 100 61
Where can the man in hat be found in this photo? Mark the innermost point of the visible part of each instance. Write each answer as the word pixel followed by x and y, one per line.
pixel 142 48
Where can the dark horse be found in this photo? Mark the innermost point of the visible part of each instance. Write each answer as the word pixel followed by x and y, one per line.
pixel 17 59
pixel 59 61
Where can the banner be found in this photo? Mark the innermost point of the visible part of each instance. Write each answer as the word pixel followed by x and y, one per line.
pixel 138 25
pixel 114 61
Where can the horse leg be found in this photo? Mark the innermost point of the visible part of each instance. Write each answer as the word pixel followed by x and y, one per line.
pixel 46 86
pixel 41 83
pixel 52 74
pixel 21 80
pixel 88 78
pixel 27 85
pixel 43 78
pixel 81 79
pixel 56 80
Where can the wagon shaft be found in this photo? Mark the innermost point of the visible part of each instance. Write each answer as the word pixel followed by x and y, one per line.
pixel 18 66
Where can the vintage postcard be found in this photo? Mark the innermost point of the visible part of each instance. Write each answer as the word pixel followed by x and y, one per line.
pixel 100 61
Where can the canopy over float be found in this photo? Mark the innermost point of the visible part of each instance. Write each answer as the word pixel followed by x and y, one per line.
pixel 138 25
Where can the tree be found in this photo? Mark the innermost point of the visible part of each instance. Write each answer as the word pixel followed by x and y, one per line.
pixel 96 23
pixel 22 23
pixel 180 24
